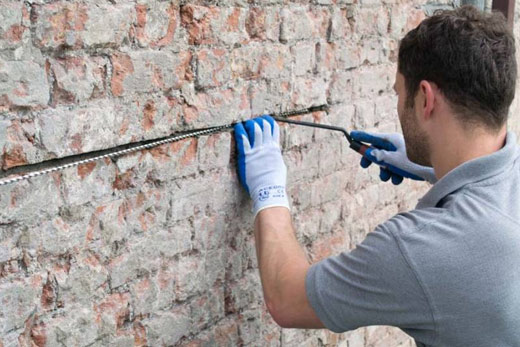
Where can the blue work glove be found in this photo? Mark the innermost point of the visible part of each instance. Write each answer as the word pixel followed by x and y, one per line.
pixel 389 151
pixel 261 168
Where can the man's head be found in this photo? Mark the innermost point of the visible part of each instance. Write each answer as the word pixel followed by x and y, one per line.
pixel 463 59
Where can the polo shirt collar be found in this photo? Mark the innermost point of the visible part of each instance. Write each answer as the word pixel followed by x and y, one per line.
pixel 471 171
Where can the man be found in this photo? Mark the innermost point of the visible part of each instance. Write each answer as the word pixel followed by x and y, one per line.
pixel 446 273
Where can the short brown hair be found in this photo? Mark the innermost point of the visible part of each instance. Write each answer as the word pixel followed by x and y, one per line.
pixel 470 55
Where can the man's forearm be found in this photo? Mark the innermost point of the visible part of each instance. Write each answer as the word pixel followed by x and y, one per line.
pixel 281 259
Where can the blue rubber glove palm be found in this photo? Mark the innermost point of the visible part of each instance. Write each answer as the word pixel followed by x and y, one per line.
pixel 261 168
pixel 389 151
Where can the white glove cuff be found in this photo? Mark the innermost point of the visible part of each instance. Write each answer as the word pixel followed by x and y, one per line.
pixel 269 196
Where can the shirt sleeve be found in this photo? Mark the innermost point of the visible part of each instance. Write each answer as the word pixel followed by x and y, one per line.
pixel 370 285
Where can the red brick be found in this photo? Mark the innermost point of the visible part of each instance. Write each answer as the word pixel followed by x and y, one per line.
pixel 14 157
pixel 85 169
pixel 143 36
pixel 59 24
pixel 255 23
pixel 212 68
pixel 122 66
pixel 39 335
pixel 77 78
pixel 149 114
pixel 197 20
pixel 115 306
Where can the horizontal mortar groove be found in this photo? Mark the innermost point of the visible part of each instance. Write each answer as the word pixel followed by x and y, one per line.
pixel 23 172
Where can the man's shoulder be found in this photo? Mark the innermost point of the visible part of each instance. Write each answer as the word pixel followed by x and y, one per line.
pixel 459 214
pixel 413 221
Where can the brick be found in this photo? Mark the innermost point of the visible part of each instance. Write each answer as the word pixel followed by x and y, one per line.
pixel 263 95
pixel 296 24
pixel 196 203
pixel 376 81
pixel 372 51
pixel 263 23
pixel 14 27
pixel 275 62
pixel 210 232
pixel 387 335
pixel 113 311
pixel 224 333
pixel 371 20
pixel 328 164
pixel 339 25
pixel 55 237
pixel 18 149
pixel 256 324
pixel 329 246
pixel 85 280
pixel 94 186
pixel 364 116
pixel 17 304
pixel 24 83
pixel 144 296
pixel 100 125
pixel 207 308
pixel 327 188
pixel 77 79
pixel 23 201
pixel 266 61
pixel 64 132
pixel 320 17
pixel 228 104
pixel 309 92
pixel 246 291
pixel 213 68
pixel 245 61
pixel 293 136
pixel 108 221
pixel 255 23
pixel 76 25
pixel 300 196
pixel 386 113
pixel 348 55
pixel 341 86
pixel 325 58
pixel 149 71
pixel 202 23
pixel 167 328
pixel 303 58
pixel 197 20
pixel 157 24
pixel 107 25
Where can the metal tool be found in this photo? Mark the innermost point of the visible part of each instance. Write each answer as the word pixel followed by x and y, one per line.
pixel 363 149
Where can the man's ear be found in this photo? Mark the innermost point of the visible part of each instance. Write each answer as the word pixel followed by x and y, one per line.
pixel 427 90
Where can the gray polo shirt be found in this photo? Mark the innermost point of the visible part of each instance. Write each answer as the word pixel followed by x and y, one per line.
pixel 446 273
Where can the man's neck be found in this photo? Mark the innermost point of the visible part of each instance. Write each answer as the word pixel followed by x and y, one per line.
pixel 459 147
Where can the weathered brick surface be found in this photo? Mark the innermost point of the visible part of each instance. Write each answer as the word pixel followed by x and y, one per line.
pixel 156 248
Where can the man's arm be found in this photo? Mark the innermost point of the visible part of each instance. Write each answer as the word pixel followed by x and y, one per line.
pixel 282 262
pixel 283 267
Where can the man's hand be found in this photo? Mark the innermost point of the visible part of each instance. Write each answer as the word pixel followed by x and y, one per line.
pixel 261 168
pixel 391 150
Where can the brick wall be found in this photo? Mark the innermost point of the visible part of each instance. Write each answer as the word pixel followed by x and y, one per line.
pixel 514 118
pixel 156 248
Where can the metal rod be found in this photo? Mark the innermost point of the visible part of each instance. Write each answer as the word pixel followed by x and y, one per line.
pixel 35 170
pixel 315 125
